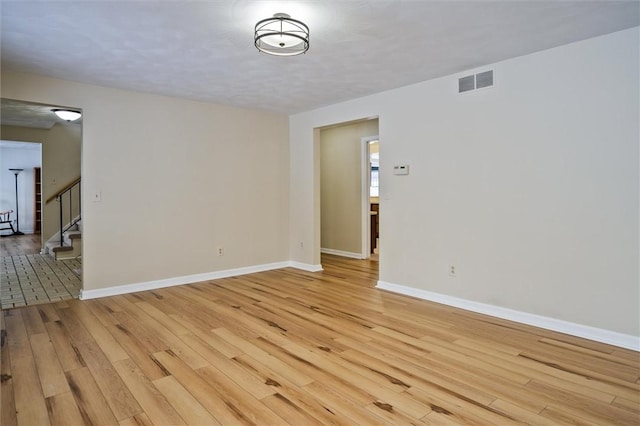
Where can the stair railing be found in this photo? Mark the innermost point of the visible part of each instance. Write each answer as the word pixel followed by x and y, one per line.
pixel 61 197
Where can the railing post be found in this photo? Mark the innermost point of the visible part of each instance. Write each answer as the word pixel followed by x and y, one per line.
pixel 61 237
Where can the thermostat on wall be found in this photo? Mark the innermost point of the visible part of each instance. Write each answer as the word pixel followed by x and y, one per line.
pixel 402 169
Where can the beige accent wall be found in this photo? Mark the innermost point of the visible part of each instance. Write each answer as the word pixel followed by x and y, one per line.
pixel 178 179
pixel 341 185
pixel 531 187
pixel 61 147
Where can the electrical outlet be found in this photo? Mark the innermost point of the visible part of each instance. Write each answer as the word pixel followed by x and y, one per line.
pixel 220 251
pixel 452 270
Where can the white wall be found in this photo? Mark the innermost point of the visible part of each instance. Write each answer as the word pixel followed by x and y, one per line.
pixel 178 179
pixel 530 188
pixel 15 155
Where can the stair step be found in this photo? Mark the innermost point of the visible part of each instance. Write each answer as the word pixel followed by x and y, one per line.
pixel 61 248
pixel 72 247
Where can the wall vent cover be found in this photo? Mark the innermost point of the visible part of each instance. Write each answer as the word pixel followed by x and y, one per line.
pixel 466 83
pixel 484 79
pixel 477 81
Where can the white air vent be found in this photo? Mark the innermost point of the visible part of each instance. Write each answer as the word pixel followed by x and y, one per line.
pixel 477 81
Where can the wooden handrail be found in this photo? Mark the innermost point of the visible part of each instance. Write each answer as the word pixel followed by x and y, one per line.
pixel 63 190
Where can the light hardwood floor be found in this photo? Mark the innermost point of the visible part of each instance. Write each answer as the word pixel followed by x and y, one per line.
pixel 17 245
pixel 289 347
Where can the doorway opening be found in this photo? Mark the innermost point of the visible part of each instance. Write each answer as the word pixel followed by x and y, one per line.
pixel 33 273
pixel 345 177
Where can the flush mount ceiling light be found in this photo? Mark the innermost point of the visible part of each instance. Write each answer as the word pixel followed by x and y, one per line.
pixel 281 36
pixel 67 114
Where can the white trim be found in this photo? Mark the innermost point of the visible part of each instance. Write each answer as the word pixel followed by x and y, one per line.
pixel 592 333
pixel 191 279
pixel 170 282
pixel 27 231
pixel 364 197
pixel 304 266
pixel 342 253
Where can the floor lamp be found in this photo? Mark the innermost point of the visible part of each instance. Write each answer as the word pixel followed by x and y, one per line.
pixel 16 172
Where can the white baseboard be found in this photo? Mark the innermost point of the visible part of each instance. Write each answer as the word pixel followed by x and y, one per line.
pixel 191 279
pixel 579 330
pixel 305 266
pixel 170 282
pixel 341 253
pixel 26 231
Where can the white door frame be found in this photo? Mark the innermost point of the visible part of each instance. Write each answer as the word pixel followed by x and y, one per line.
pixel 366 200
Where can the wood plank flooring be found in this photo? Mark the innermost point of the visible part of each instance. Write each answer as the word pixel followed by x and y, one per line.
pixel 288 347
pixel 17 245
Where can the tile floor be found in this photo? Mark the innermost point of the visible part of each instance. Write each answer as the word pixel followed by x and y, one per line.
pixel 34 279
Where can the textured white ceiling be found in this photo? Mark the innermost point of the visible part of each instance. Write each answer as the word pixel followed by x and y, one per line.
pixel 28 114
pixel 204 50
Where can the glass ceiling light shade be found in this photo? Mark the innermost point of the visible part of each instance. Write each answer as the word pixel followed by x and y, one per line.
pixel 67 115
pixel 281 36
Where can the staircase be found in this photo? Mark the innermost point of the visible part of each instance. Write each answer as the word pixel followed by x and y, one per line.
pixel 72 240
pixel 67 242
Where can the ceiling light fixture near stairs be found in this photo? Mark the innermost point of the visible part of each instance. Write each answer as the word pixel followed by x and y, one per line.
pixel 67 114
pixel 281 36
